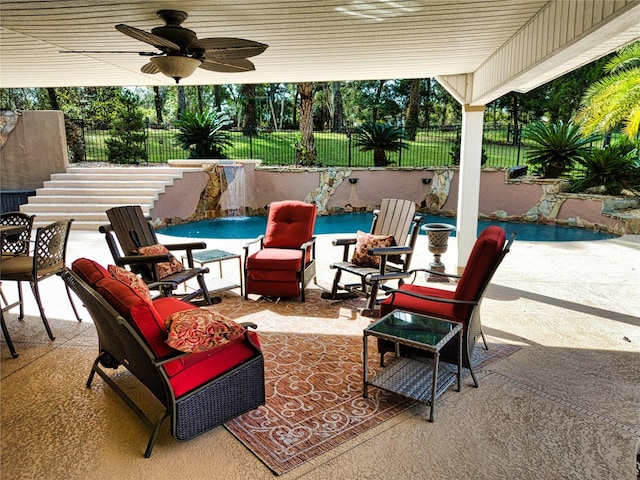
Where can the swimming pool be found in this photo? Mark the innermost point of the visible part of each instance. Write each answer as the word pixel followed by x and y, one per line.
pixel 251 227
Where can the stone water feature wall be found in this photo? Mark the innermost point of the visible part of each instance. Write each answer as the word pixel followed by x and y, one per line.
pixel 339 190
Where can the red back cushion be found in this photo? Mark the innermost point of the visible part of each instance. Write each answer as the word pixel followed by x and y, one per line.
pixel 482 260
pixel 290 224
pixel 141 313
pixel 90 271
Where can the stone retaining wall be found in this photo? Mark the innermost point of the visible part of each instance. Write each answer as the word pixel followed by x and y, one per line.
pixel 435 191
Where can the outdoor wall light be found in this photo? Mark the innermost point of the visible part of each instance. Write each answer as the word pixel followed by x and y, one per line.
pixel 426 181
pixel 353 180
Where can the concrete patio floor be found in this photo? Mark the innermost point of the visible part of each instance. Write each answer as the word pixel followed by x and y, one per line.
pixel 566 405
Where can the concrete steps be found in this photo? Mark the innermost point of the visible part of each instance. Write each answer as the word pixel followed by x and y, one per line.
pixel 85 193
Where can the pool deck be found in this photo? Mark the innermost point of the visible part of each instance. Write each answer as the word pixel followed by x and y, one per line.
pixel 566 405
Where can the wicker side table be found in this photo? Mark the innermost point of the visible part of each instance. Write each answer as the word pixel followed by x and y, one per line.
pixel 418 379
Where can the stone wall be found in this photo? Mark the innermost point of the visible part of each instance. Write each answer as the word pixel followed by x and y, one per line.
pixel 338 190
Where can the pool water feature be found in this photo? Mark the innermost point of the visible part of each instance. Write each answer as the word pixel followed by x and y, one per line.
pixel 349 223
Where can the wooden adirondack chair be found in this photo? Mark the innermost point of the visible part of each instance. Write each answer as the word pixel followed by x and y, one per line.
pixel 128 234
pixel 383 254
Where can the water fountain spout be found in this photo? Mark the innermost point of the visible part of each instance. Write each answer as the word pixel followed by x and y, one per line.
pixel 232 180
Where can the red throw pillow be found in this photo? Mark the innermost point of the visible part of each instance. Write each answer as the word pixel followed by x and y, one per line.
pixel 200 329
pixel 132 280
pixel 366 241
pixel 166 268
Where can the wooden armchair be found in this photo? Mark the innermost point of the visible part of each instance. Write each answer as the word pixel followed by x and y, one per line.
pixel 133 243
pixel 382 255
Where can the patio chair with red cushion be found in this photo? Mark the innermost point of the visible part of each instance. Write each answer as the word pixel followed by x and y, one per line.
pixel 202 367
pixel 460 305
pixel 285 261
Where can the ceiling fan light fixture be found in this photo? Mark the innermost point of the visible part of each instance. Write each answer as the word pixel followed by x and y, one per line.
pixel 176 67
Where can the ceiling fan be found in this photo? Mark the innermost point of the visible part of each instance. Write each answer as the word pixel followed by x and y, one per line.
pixel 181 53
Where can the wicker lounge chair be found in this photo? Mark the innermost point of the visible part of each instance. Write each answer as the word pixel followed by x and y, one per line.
pixel 198 391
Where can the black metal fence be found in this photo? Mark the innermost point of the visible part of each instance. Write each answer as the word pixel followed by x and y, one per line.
pixel 503 146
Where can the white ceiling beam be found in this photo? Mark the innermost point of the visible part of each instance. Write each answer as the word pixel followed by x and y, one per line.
pixel 560 38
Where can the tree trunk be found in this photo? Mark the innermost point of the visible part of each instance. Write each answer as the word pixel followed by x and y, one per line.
pixel 306 149
pixel 380 158
pixel 53 98
pixel 338 109
pixel 413 109
pixel 427 104
pixel 200 99
pixel 217 94
pixel 250 117
pixel 376 101
pixel 182 101
pixel 327 108
pixel 158 105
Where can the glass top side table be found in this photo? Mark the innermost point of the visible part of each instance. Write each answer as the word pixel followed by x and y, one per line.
pixel 418 379
pixel 218 256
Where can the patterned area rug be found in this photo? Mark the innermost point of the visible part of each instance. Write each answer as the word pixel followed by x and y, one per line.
pixel 314 397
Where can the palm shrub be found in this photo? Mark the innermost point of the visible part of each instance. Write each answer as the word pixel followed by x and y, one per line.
pixel 610 169
pixel 202 134
pixel 615 99
pixel 381 138
pixel 555 147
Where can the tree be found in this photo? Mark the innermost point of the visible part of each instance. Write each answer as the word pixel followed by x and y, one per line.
pixel 306 149
pixel 615 99
pixel 126 144
pixel 202 134
pixel 380 138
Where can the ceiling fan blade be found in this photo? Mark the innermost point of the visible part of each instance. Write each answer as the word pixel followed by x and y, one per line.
pixel 155 40
pixel 150 68
pixel 144 54
pixel 228 66
pixel 227 48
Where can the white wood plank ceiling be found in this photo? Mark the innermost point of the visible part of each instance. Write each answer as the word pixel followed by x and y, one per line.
pixel 479 49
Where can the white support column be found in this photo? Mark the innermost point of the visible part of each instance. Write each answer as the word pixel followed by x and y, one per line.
pixel 469 181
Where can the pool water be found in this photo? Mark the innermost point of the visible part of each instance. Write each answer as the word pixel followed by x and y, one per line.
pixel 252 227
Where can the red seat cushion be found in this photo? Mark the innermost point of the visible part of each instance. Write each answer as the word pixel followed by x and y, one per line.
pixel 275 259
pixel 146 317
pixel 418 305
pixel 192 370
pixel 290 224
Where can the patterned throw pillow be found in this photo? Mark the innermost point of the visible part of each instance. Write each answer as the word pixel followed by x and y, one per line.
pixel 200 329
pixel 166 268
pixel 132 280
pixel 366 241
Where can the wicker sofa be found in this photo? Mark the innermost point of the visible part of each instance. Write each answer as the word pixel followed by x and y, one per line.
pixel 199 391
